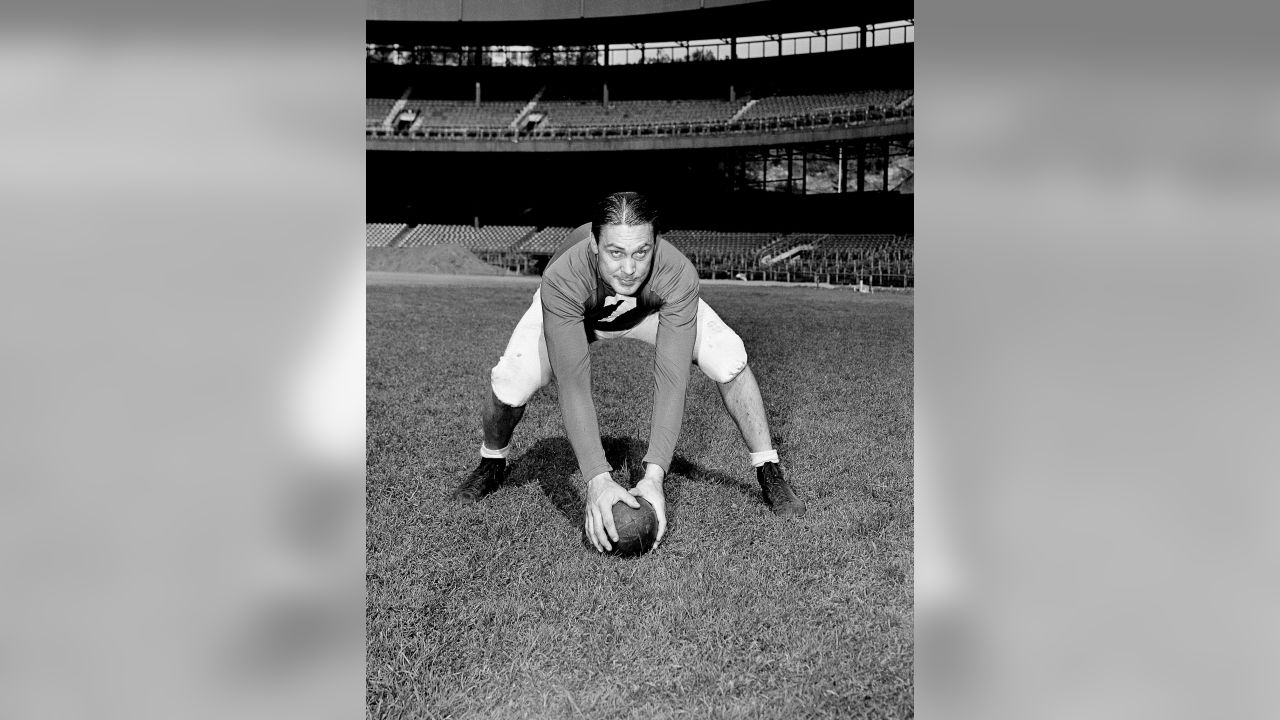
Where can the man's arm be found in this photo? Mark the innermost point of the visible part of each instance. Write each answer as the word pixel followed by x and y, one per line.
pixel 571 363
pixel 677 330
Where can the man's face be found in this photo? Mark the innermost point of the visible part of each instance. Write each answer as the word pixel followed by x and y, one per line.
pixel 623 255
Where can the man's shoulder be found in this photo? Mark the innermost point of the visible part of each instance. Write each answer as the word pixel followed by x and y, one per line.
pixel 569 273
pixel 673 266
pixel 572 243
pixel 670 254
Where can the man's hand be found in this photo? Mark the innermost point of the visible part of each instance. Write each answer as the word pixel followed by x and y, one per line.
pixel 650 488
pixel 602 493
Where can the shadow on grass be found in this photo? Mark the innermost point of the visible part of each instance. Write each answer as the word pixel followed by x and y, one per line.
pixel 552 465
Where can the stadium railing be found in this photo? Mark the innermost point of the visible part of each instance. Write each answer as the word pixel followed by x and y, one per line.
pixel 704 127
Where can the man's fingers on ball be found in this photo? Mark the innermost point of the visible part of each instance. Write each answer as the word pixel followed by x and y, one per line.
pixel 596 530
pixel 592 533
pixel 630 499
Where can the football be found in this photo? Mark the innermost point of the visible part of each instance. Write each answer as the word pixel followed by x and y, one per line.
pixel 637 529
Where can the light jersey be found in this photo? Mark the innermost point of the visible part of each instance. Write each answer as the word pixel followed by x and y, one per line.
pixel 577 303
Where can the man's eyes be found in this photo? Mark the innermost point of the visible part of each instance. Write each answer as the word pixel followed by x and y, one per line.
pixel 619 253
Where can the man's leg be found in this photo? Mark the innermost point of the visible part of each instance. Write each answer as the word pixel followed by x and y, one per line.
pixel 522 370
pixel 742 399
pixel 720 355
pixel 500 420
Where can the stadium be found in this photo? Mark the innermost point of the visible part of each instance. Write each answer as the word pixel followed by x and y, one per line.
pixel 777 138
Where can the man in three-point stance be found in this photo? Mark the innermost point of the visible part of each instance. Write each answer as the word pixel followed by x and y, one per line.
pixel 615 278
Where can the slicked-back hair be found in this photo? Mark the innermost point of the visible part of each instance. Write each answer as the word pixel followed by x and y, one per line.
pixel 624 208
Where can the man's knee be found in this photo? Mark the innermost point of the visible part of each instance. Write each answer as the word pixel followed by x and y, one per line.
pixel 515 382
pixel 723 357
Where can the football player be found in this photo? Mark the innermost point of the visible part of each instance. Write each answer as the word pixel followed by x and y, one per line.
pixel 615 278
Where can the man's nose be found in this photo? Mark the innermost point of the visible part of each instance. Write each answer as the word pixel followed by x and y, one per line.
pixel 629 266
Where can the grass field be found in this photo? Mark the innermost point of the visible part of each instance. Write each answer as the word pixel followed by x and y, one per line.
pixel 498 611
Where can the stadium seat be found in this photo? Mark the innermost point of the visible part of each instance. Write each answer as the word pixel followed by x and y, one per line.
pixel 791 106
pixel 450 114
pixel 381 234
pixel 491 238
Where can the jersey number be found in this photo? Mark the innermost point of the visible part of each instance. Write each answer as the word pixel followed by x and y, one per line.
pixel 625 304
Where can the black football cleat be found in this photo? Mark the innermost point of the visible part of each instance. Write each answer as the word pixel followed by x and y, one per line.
pixel 482 481
pixel 778 495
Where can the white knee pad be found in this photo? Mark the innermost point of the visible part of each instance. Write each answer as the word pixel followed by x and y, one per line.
pixel 723 355
pixel 515 381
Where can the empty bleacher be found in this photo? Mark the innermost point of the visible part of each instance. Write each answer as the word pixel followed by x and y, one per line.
pixel 381 234
pixel 782 106
pixel 376 109
pixel 789 245
pixel 448 114
pixel 633 113
pixel 879 241
pixel 564 118
pixel 491 238
pixel 878 258
pixel 718 242
pixel 545 241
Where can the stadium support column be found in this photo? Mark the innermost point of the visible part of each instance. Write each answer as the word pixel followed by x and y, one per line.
pixel 844 170
pixel 884 164
pixel 477 93
pixel 791 161
pixel 862 164
pixel 605 95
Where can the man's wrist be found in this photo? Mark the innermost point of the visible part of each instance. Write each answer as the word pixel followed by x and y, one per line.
pixel 653 473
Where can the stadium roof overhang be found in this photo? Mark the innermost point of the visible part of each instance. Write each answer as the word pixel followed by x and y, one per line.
pixel 587 22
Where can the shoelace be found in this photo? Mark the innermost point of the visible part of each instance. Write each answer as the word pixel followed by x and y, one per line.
pixel 487 474
pixel 773 482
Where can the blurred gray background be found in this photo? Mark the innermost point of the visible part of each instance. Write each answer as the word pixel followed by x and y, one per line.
pixel 182 207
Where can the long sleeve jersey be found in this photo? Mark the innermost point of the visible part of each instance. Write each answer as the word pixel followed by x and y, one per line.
pixel 577 303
